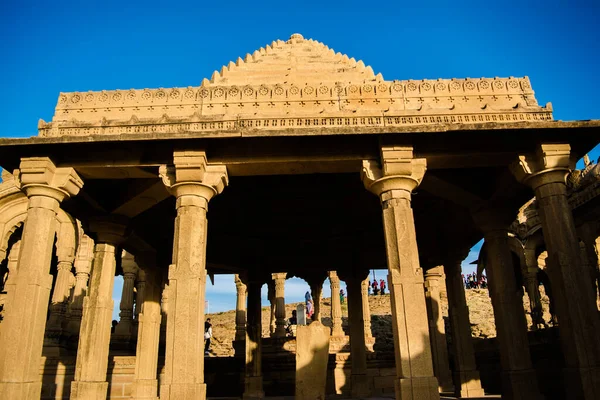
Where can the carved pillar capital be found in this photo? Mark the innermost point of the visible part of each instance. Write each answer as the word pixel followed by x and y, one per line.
pixel 549 164
pixel 399 176
pixel 192 180
pixel 38 176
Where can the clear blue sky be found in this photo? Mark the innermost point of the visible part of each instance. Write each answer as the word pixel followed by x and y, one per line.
pixel 53 46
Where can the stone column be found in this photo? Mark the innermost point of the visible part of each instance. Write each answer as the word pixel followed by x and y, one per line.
pixel 364 292
pixel 336 306
pixel 519 380
pixel 124 329
pixel 11 280
pixel 240 309
pixel 272 303
pixel 533 289
pixel 279 280
pixel 60 295
pixel 589 237
pixel 83 267
pixel 164 308
pixel 358 349
pixel 145 382
pixel 434 285
pixel 22 334
pixel 578 317
pixel 92 352
pixel 140 293
pixel 467 382
pixel 316 291
pixel 253 384
pixel 194 183
pixel 394 184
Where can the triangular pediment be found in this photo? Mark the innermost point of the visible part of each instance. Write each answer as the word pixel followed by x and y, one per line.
pixel 297 60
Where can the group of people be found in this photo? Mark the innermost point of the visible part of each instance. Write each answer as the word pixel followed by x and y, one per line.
pixel 471 281
pixel 377 288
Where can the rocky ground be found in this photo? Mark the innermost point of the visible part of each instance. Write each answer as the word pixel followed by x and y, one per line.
pixel 480 312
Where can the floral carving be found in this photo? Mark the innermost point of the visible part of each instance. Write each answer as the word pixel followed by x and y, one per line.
pixel 146 95
pixel 62 99
pixel 234 92
pixel 353 88
pixel 499 85
pixel 89 97
pixel 309 90
pixel 525 85
pixel 263 91
pixel 204 93
pixel 323 89
pixel 278 91
pixel 131 95
pixel 367 88
pixel 455 86
pixel 397 87
pixel 218 92
pixel 174 94
pixel 103 98
pixel 469 85
pixel 484 85
pixel 248 91
pixel 411 87
pixel 339 89
pixel 426 86
pixel 189 94
pixel 160 94
pixel 382 87
pixel 117 96
pixel 440 86
pixel 294 90
pixel 76 98
pixel 513 84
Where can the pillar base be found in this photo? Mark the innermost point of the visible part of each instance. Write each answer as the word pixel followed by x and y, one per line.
pixel 425 388
pixel 582 383
pixel 360 386
pixel 146 389
pixel 520 385
pixel 89 390
pixel 468 384
pixel 179 391
pixel 20 390
pixel 253 388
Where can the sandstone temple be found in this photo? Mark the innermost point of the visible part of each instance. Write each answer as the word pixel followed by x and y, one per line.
pixel 307 164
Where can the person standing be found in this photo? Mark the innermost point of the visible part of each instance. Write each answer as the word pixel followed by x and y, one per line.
pixel 370 287
pixel 342 296
pixel 382 286
pixel 375 287
pixel 207 336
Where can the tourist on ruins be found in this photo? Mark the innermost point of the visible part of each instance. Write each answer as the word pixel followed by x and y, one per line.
pixel 207 335
pixel 290 326
pixel 375 287
pixel 382 286
pixel 342 296
pixel 370 290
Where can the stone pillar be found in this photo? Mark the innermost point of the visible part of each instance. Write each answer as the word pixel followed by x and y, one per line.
pixel 60 296
pixel 145 382
pixel 533 289
pixel 194 183
pixel 83 267
pixel 279 280
pixel 589 236
pixel 11 280
pixel 358 349
pixel 253 384
pixel 92 353
pixel 22 334
pixel 364 292
pixel 272 303
pixel 164 307
pixel 578 317
pixel 467 382
pixel 434 285
pixel 336 306
pixel 519 380
pixel 394 184
pixel 316 291
pixel 240 309
pixel 124 329
pixel 140 292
